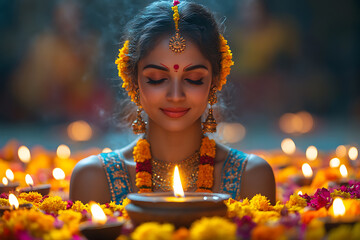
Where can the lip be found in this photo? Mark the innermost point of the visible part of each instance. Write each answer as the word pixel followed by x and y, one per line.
pixel 174 112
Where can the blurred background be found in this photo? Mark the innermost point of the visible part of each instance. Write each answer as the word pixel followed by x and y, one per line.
pixel 296 73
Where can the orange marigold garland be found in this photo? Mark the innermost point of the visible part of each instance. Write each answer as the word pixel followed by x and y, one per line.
pixel 142 157
pixel 226 61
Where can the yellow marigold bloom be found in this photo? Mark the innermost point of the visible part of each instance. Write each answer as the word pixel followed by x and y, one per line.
pixel 205 176
pixel 125 202
pixel 339 193
pixel 260 202
pixel 153 231
pixel 265 216
pixel 176 16
pixel 142 151
pixel 143 179
pixel 58 234
pixel 296 203
pixel 226 61
pixel 315 230
pixel 32 197
pixel 53 204
pixel 69 216
pixel 208 147
pixel 278 206
pixel 215 228
pixel 4 202
pixel 78 206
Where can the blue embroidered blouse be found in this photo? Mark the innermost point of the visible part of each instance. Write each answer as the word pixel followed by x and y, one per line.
pixel 119 182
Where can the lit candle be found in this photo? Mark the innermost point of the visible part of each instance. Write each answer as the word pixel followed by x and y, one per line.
pixel 14 204
pixel 177 186
pixel 43 189
pixel 306 177
pixel 7 184
pixel 100 227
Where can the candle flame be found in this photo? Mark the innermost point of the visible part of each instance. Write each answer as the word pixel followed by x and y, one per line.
pixel 98 215
pixel 5 181
pixel 29 181
pixel 334 163
pixel 307 171
pixel 14 203
pixel 178 189
pixel 288 146
pixel 9 174
pixel 58 174
pixel 24 154
pixel 300 193
pixel 338 207
pixel 311 153
pixel 353 153
pixel 343 171
pixel 63 151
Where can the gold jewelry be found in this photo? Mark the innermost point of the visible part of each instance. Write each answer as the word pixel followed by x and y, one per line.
pixel 209 126
pixel 177 43
pixel 162 173
pixel 138 126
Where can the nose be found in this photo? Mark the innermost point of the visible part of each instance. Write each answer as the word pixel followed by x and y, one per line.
pixel 175 91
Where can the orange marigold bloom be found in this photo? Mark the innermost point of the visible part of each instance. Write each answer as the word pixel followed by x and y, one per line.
pixel 205 176
pixel 226 61
pixel 143 179
pixel 260 202
pixel 208 147
pixel 33 197
pixel 176 16
pixel 145 190
pixel 142 151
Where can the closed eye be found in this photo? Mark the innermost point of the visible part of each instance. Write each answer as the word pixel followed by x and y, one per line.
pixel 196 82
pixel 151 81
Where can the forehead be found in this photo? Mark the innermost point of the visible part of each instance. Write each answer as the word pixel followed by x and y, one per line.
pixel 162 54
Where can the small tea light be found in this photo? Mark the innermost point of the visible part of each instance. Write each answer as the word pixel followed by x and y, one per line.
pixel 306 178
pixel 43 189
pixel 100 227
pixel 7 184
pixel 14 205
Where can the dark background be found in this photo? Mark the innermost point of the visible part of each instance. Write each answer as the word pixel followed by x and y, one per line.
pixel 57 66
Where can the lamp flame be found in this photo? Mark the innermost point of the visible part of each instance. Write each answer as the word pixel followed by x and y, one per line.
pixel 9 174
pixel 307 171
pixel 98 215
pixel 338 207
pixel 58 174
pixel 334 163
pixel 343 171
pixel 177 186
pixel 24 154
pixel 300 193
pixel 14 203
pixel 5 181
pixel 29 181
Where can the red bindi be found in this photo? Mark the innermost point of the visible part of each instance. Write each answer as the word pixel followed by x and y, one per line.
pixel 176 67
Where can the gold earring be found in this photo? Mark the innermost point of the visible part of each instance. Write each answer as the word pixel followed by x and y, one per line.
pixel 209 126
pixel 138 126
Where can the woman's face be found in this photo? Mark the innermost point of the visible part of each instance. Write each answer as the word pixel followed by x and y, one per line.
pixel 174 87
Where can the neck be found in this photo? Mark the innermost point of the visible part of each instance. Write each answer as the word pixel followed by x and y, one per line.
pixel 174 146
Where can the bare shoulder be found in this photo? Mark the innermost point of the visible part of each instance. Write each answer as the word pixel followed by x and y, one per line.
pixel 88 181
pixel 258 178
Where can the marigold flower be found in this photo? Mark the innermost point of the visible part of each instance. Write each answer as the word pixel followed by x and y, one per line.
pixel 78 206
pixel 296 203
pixel 215 228
pixel 260 202
pixel 208 147
pixel 141 151
pixel 267 232
pixel 53 204
pixel 143 179
pixel 32 197
pixel 153 231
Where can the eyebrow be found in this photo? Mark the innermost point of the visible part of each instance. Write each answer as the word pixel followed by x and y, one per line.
pixel 195 67
pixel 156 67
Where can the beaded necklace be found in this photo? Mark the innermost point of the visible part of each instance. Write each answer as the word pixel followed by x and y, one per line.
pixel 144 169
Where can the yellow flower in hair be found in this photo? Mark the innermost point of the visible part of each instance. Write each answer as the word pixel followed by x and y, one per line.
pixel 208 147
pixel 142 151
pixel 226 61
pixel 176 16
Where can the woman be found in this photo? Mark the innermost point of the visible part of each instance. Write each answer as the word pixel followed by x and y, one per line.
pixel 172 63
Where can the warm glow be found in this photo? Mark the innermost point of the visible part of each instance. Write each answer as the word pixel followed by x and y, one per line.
pixel 98 215
pixel 338 207
pixel 29 181
pixel 307 121
pixel 14 203
pixel 5 181
pixel 58 174
pixel 79 131
pixel 106 150
pixel 63 151
pixel 300 193
pixel 288 146
pixel 353 153
pixel 24 154
pixel 307 171
pixel 341 151
pixel 9 174
pixel 311 153
pixel 178 189
pixel 301 122
pixel 231 132
pixel 334 163
pixel 343 171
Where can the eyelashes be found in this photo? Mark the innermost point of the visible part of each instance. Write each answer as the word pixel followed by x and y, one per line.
pixel 156 82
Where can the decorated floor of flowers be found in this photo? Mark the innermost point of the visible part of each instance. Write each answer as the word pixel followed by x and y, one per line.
pixel 297 215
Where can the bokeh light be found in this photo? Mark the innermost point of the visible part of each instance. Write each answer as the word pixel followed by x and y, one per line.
pixel 79 131
pixel 353 153
pixel 334 163
pixel 288 146
pixel 63 151
pixel 311 153
pixel 24 154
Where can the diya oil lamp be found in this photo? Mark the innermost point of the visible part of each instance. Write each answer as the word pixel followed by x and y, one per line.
pixel 100 227
pixel 338 215
pixel 307 176
pixel 14 204
pixel 7 182
pixel 43 189
pixel 178 208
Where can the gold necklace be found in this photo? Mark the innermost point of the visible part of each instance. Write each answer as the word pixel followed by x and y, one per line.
pixel 162 173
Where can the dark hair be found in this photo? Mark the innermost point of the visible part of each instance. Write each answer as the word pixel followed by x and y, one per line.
pixel 196 24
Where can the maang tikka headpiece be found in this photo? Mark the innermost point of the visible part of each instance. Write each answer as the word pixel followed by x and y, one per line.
pixel 177 43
